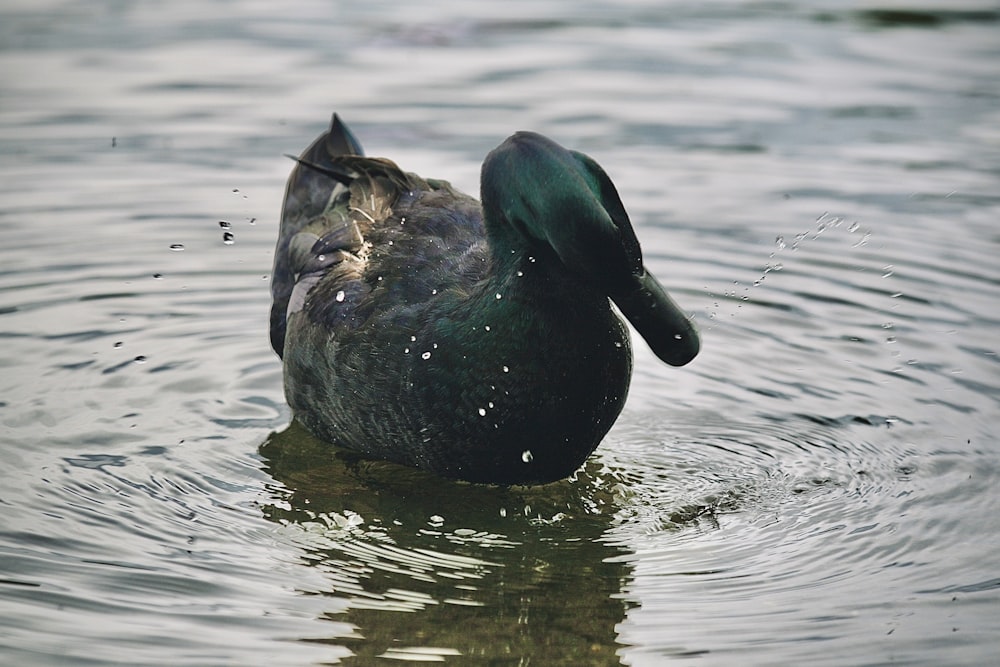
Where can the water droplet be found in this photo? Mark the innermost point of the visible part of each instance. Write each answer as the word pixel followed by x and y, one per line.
pixel 526 456
pixel 490 405
pixel 406 350
pixel 177 247
pixel 140 359
pixel 434 346
pixel 158 276
pixel 425 355
pixel 520 273
pixel 413 339
pixel 340 295
pixel 118 344
pixel 499 295
pixel 487 327
pixel 434 291
pixel 617 344
pixel 252 221
pixel 506 369
pixel 503 511
pixel 227 238
pixel 531 259
pixel 482 412
pixel 225 224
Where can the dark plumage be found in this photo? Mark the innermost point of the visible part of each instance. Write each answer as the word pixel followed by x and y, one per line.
pixel 477 342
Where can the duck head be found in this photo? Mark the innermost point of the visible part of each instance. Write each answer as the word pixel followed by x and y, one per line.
pixel 537 193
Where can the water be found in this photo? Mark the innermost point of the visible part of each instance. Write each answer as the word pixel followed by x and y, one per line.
pixel 817 183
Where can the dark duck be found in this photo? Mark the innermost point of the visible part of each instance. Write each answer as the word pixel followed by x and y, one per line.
pixel 476 341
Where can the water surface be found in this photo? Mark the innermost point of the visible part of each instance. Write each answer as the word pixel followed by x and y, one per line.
pixel 817 183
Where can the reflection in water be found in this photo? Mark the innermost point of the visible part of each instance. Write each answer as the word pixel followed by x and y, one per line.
pixel 497 577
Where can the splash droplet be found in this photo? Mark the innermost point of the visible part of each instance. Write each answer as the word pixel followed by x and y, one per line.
pixel 228 238
pixel 157 276
pixel 140 359
pixel 340 296
pixel 506 369
pixel 425 355
pixel 118 344
pixel 526 456
pixel 225 224
pixel 177 247
pixel 482 412
pixel 499 296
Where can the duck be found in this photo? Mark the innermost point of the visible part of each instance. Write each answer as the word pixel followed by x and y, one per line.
pixel 472 339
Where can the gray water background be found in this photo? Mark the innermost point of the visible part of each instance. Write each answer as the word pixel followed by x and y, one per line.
pixel 816 182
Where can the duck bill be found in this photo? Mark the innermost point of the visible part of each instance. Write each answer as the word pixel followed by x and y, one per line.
pixel 659 320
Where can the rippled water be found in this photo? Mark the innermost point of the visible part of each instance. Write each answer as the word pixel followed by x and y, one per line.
pixel 816 182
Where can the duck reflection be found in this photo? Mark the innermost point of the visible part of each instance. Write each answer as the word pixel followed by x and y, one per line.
pixel 421 568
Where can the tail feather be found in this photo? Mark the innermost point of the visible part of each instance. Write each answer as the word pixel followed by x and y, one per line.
pixel 315 183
